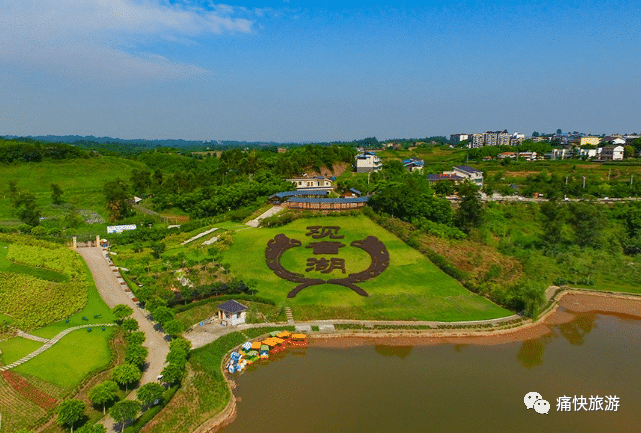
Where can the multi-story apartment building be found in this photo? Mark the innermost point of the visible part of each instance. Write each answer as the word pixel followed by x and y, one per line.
pixel 491 138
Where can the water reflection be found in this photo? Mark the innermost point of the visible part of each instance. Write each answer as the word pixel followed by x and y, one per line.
pixel 400 351
pixel 531 351
pixel 575 331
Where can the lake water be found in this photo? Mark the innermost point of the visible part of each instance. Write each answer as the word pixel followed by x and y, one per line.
pixel 451 388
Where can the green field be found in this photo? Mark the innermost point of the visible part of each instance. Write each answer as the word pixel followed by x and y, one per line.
pixel 68 362
pixel 17 347
pixel 411 288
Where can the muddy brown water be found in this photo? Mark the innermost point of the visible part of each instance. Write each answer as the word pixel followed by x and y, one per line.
pixel 452 387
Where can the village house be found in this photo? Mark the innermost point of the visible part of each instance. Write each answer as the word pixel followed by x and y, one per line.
pixel 367 162
pixel 612 153
pixel 310 183
pixel 466 172
pixel 413 164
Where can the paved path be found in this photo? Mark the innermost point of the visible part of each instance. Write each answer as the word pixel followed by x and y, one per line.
pixel 48 343
pixel 113 294
pixel 269 212
pixel 21 333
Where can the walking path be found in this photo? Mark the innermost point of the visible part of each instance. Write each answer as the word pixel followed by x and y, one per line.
pixel 112 292
pixel 21 333
pixel 269 212
pixel 47 343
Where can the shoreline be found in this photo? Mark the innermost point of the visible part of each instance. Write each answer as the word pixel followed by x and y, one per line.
pixel 567 304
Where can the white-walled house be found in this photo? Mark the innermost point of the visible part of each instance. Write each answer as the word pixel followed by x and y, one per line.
pixel 232 313
pixel 310 183
pixel 367 162
pixel 612 153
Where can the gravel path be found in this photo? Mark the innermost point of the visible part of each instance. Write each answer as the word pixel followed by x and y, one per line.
pixel 269 212
pixel 113 294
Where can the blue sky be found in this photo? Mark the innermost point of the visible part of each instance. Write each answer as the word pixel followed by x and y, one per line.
pixel 298 71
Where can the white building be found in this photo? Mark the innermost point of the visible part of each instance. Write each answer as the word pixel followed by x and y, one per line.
pixel 612 153
pixel 367 162
pixel 318 182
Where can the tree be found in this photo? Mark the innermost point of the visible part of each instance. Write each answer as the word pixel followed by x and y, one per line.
pixel 121 311
pixel 158 248
pixel 588 220
pixel 559 132
pixel 14 192
pixel 629 152
pixel 174 328
pixel 149 393
pixel 104 393
pixel 535 134
pixel 70 412
pixel 130 325
pixel 135 338
pixel 125 374
pixel 163 314
pixel 136 355
pixel 470 211
pixel 56 193
pixel 124 411
pixel 177 356
pixel 96 428
pixel 180 343
pixel 117 197
pixel 28 209
pixel 172 373
pixel 554 214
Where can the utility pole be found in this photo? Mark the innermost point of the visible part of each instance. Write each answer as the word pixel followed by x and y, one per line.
pixel 583 181
pixel 566 180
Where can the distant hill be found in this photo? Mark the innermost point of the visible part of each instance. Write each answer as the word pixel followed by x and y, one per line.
pixel 88 140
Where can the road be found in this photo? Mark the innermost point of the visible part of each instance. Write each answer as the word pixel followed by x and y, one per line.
pixel 113 294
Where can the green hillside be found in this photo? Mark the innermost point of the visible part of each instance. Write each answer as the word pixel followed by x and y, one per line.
pixel 82 181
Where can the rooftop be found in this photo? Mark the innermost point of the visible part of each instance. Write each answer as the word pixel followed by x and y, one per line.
pixel 232 307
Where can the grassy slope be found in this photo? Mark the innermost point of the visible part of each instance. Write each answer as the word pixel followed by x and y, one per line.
pixel 71 359
pixel 82 181
pixel 15 348
pixel 411 288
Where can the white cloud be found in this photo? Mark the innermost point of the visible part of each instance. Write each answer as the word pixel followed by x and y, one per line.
pixel 97 38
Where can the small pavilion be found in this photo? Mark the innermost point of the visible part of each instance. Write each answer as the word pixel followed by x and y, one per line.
pixel 232 313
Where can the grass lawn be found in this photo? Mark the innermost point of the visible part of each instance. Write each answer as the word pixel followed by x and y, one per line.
pixel 17 347
pixel 67 362
pixel 412 288
pixel 95 306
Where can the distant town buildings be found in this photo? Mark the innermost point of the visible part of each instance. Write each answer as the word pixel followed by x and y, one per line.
pixel 490 138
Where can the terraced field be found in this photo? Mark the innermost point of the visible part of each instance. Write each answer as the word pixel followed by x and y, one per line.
pixel 17 412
